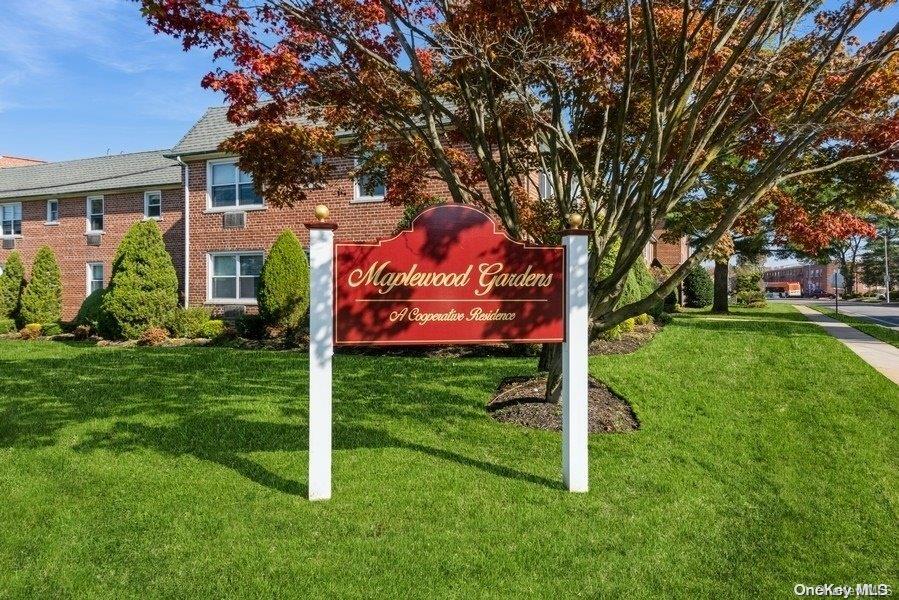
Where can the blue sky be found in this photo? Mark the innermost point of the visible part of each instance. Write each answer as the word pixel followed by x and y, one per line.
pixel 81 78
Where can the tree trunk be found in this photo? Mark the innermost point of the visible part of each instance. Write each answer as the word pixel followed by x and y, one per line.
pixel 719 304
pixel 551 362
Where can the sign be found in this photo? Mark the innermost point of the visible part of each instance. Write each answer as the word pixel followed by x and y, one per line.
pixel 453 278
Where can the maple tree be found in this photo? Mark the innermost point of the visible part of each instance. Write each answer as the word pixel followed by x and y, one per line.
pixel 624 106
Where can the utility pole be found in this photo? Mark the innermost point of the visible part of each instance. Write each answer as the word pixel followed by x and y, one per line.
pixel 886 265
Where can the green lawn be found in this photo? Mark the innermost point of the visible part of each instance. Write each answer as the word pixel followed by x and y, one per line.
pixel 884 334
pixel 767 457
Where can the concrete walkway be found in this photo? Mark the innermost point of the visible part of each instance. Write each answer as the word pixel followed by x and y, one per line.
pixel 880 355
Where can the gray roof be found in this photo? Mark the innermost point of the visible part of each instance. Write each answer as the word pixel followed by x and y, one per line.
pixel 86 175
pixel 212 129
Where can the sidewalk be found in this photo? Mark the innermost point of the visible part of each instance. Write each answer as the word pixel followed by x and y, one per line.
pixel 880 355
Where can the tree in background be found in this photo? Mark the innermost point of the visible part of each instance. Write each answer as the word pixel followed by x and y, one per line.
pixel 748 286
pixel 872 260
pixel 284 284
pixel 622 105
pixel 698 288
pixel 143 288
pixel 42 298
pixel 12 282
pixel 832 216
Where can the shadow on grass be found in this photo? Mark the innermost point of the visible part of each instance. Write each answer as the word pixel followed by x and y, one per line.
pixel 205 403
pixel 742 315
pixel 780 325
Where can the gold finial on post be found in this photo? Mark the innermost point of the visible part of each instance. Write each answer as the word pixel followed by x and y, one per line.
pixel 575 220
pixel 322 212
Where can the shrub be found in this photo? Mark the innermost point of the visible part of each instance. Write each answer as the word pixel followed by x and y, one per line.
pixel 748 278
pixel 51 329
pixel 613 333
pixel 639 284
pixel 751 299
pixel 32 331
pixel 153 336
pixel 12 283
pixel 698 288
pixel 250 327
pixel 663 318
pixel 188 322
pixel 284 283
pixel 212 329
pixel 7 325
pixel 42 298
pixel 81 332
pixel 89 313
pixel 627 325
pixel 143 289
pixel 643 319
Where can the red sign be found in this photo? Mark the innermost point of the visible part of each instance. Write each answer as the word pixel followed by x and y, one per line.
pixel 451 279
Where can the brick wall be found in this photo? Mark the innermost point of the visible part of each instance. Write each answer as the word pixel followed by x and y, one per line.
pixel 357 221
pixel 67 238
pixel 670 254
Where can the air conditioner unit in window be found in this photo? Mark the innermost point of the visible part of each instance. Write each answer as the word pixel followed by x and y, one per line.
pixel 234 220
pixel 94 239
pixel 9 243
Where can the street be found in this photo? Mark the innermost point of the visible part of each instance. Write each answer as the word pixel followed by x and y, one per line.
pixel 882 314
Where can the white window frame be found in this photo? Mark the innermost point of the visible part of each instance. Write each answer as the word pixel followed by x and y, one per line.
pixel 229 301
pixel 147 195
pixel 89 276
pixel 51 221
pixel 237 206
pixel 21 219
pixel 87 214
pixel 358 196
pixel 545 187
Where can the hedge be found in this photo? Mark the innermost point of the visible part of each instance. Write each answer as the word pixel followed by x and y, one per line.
pixel 89 313
pixel 698 288
pixel 284 283
pixel 143 289
pixel 42 298
pixel 12 283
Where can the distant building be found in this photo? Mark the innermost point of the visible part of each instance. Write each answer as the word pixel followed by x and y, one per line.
pixel 17 161
pixel 814 279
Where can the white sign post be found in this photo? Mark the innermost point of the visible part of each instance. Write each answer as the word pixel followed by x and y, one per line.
pixel 574 361
pixel 321 351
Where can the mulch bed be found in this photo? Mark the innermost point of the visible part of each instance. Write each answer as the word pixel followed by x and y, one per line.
pixel 629 342
pixel 520 400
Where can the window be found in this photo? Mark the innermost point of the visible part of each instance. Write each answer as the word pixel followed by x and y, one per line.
pixel 95 209
pixel 547 190
pixel 545 185
pixel 153 205
pixel 229 187
pixel 11 219
pixel 52 211
pixel 234 277
pixel 94 277
pixel 369 187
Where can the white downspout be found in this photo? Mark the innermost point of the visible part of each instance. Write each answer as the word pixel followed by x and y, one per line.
pixel 186 176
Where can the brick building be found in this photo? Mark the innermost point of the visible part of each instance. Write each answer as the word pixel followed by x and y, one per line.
pixel 82 208
pixel 814 279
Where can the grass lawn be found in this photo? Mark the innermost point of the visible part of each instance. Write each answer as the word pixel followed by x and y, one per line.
pixel 767 457
pixel 884 334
